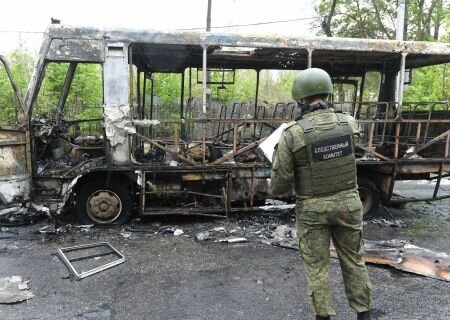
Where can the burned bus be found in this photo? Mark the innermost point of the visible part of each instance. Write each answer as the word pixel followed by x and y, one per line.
pixel 116 147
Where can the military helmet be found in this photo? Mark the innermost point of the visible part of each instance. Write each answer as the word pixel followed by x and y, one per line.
pixel 311 82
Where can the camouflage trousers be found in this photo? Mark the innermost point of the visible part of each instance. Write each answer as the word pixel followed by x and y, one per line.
pixel 338 218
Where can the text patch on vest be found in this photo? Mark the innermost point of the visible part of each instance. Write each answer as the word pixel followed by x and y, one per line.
pixel 331 148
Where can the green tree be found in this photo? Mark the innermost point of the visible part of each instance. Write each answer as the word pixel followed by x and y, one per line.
pixel 429 84
pixel 376 19
pixel 21 64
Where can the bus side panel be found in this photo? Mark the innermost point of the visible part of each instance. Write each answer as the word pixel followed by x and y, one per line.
pixel 14 166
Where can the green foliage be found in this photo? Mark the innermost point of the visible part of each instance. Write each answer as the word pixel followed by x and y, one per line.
pixel 429 84
pixel 167 87
pixel 85 95
pixel 377 18
pixel 243 90
pixel 426 20
pixel 21 65
pixel 274 86
pixel 7 100
pixel 359 19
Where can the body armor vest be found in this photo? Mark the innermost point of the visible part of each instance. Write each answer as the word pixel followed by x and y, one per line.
pixel 330 165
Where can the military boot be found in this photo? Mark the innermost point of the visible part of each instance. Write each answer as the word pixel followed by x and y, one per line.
pixel 364 315
pixel 322 317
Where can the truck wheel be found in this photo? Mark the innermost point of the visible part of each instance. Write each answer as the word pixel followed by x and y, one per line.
pixel 101 203
pixel 369 196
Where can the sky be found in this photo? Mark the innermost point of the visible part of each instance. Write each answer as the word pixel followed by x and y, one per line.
pixel 24 21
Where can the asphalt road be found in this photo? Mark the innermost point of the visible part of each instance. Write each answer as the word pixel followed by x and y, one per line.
pixel 171 277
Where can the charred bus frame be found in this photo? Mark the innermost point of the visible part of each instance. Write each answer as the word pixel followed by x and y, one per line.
pixel 195 166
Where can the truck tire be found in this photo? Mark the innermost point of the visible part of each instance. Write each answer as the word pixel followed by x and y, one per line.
pixel 369 195
pixel 103 203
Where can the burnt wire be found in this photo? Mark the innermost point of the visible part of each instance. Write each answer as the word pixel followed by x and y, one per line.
pixel 251 24
pixel 195 28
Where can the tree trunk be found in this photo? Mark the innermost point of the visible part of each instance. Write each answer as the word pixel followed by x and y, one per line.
pixel 380 21
pixel 420 34
pixel 428 19
pixel 444 82
pixel 405 25
pixel 326 24
pixel 438 19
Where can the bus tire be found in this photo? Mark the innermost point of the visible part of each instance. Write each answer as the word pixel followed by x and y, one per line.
pixel 98 202
pixel 369 195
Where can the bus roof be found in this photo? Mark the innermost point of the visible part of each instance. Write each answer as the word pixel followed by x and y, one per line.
pixel 174 51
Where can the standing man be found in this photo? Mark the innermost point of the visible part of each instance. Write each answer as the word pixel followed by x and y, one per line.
pixel 316 155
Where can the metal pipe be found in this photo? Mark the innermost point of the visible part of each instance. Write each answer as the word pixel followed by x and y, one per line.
pixel 65 91
pixel 182 96
pixel 182 131
pixel 438 181
pixel 256 94
pixel 419 127
pixel 143 97
pixel 310 52
pixel 138 91
pixel 204 80
pixel 234 138
pixel 131 81
pixel 151 104
pixel 361 92
pixel 400 85
pixel 397 140
pixel 446 146
pixel 190 82
pixel 372 129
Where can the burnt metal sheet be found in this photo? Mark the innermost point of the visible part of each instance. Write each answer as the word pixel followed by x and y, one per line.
pixel 14 289
pixel 75 50
pixel 406 257
pixel 14 167
pixel 398 254
pixel 256 41
pixel 271 52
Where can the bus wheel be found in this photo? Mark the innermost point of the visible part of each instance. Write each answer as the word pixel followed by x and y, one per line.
pixel 369 196
pixel 101 203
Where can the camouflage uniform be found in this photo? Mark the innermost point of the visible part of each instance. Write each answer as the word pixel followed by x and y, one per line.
pixel 335 215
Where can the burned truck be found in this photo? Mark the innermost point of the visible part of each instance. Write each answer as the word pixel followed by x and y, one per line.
pixel 114 148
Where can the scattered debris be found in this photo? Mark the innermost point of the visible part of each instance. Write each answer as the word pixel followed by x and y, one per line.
pixel 126 235
pixel 48 229
pixel 389 223
pixel 398 254
pixel 282 236
pixel 110 251
pixel 178 232
pixel 232 240
pixel 202 236
pixel 52 229
pixel 14 289
pixel 277 207
pixel 167 230
pixel 84 227
pixel 5 233
pixel 64 229
pixel 275 202
pixel 18 216
pixel 284 232
pixel 407 257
